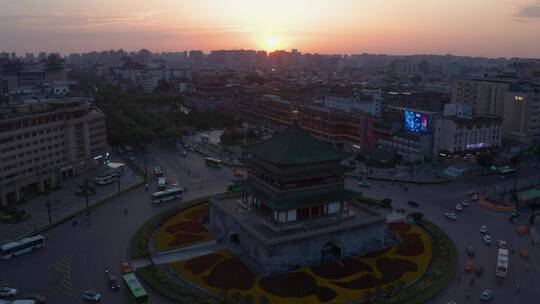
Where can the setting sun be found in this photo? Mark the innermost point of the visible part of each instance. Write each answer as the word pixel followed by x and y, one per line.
pixel 271 43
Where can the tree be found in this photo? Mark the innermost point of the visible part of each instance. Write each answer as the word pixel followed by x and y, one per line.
pixel 536 151
pixel 516 162
pixel 386 203
pixel 485 160
pixel 416 216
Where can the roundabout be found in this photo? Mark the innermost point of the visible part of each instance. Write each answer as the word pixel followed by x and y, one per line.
pixel 186 264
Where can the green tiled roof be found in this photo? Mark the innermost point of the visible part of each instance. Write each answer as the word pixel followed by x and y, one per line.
pixel 277 203
pixel 295 146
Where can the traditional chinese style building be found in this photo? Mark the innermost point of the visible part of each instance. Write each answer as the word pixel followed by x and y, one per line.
pixel 294 209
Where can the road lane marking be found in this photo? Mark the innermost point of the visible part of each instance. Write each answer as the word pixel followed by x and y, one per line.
pixel 63 266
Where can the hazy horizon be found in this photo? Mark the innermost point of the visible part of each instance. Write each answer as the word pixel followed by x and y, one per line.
pixel 505 28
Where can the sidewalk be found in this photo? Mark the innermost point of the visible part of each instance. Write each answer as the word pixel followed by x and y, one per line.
pixel 64 203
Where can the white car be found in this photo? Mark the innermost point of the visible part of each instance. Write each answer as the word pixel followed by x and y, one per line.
pixel 92 296
pixel 502 244
pixel 475 197
pixel 451 216
pixel 7 292
pixel 464 203
pixel 459 207
pixel 483 229
pixel 487 239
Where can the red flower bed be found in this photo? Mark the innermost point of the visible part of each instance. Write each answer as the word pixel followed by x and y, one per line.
pixel 184 238
pixel 411 245
pixel 201 264
pixel 392 270
pixel 399 226
pixel 230 274
pixel 294 285
pixel 198 213
pixel 187 226
pixel 340 269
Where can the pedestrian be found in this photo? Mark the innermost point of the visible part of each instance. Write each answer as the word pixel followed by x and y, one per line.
pixel 125 211
pixel 518 288
pixel 147 185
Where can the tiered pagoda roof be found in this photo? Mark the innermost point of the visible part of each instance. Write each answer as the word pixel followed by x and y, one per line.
pixel 295 146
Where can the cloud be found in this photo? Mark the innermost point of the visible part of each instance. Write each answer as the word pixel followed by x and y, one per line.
pixel 529 11
pixel 80 22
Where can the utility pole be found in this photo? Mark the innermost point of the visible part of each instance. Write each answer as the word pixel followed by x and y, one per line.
pixel 118 181
pixel 145 168
pixel 49 205
pixel 85 187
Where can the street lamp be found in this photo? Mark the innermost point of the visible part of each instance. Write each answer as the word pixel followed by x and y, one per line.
pixel 49 205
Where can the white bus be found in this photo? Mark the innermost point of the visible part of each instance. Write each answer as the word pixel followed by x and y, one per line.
pixel 163 196
pixel 161 183
pixel 21 246
pixel 106 176
pixel 502 263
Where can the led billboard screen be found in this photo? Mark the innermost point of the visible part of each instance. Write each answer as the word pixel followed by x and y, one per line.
pixel 415 122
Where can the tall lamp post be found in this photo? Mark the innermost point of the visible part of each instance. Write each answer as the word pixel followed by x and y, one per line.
pixel 49 205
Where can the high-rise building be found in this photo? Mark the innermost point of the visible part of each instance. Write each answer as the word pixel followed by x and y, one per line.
pixel 486 96
pixel 522 114
pixel 43 142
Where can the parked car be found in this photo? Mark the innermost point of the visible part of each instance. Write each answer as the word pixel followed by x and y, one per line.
pixel 469 250
pixel 451 216
pixel 514 213
pixel 524 253
pixel 459 207
pixel 364 184
pixel 479 271
pixel 475 197
pixel 471 193
pixel 502 244
pixel 464 203
pixel 113 283
pixel 91 296
pixel 126 268
pixel 7 292
pixel 486 295
pixel 412 203
pixel 469 266
pixel 487 239
pixel 523 230
pixel 483 229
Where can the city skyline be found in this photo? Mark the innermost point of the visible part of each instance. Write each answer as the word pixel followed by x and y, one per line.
pixel 503 29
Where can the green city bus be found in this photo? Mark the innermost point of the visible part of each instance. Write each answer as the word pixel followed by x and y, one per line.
pixel 213 162
pixel 136 290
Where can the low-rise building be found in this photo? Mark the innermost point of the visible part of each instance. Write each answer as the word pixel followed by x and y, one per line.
pixel 459 136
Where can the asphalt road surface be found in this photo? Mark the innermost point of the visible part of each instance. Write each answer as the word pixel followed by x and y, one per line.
pixel 75 257
pixel 434 201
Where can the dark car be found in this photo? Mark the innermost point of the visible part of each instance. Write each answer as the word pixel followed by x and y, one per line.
pixel 412 203
pixel 113 283
pixel 469 250
pixel 479 270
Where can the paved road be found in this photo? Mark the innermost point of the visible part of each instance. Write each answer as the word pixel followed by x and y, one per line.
pixel 74 258
pixel 434 201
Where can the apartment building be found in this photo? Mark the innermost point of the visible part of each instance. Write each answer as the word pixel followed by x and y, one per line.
pixel 486 96
pixel 522 114
pixel 42 142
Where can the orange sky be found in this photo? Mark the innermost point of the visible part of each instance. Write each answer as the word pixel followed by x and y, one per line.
pixel 468 27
